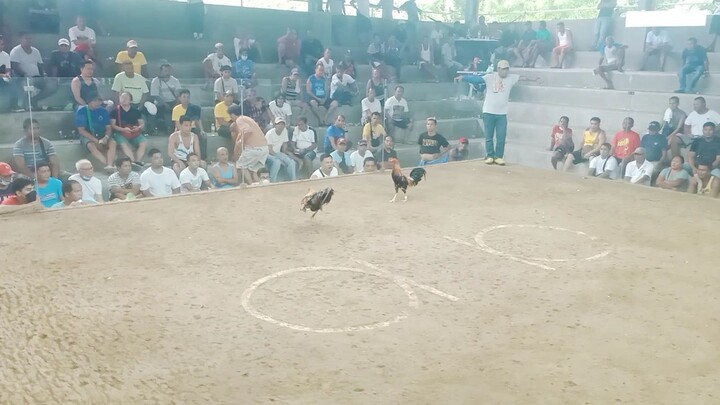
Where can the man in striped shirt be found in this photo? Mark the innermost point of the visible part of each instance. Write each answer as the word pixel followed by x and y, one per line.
pixel 33 150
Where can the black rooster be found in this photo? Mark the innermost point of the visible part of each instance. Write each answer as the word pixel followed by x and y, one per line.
pixel 314 201
pixel 401 181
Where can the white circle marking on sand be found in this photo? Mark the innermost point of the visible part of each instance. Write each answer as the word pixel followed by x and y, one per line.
pixel 533 261
pixel 247 295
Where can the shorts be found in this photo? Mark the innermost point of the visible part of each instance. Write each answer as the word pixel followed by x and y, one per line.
pixel 84 141
pixel 134 141
pixel 309 155
pixel 253 159
pixel 686 139
pixel 562 151
pixel 578 157
pixel 325 104
pixel 404 123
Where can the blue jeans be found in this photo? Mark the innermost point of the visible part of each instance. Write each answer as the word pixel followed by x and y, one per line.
pixel 495 126
pixel 444 158
pixel 603 28
pixel 689 76
pixel 276 162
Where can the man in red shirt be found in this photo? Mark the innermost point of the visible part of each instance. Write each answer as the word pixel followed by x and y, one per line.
pixel 23 190
pixel 624 144
pixel 561 142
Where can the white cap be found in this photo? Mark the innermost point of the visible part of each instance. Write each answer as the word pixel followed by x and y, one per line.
pixel 63 41
pixel 132 43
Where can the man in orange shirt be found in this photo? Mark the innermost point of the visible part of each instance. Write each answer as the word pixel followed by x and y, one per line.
pixel 23 192
pixel 251 148
pixel 624 144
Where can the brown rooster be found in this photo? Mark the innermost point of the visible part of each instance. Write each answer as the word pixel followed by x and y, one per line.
pixel 401 181
pixel 314 201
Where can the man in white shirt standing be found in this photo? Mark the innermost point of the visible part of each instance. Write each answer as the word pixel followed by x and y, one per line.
pixel 604 165
pixel 214 62
pixel 656 43
pixel 695 121
pixel 495 109
pixel 640 170
pixel 91 185
pixel 83 39
pixel 358 157
pixel 26 62
pixel 277 139
pixel 158 180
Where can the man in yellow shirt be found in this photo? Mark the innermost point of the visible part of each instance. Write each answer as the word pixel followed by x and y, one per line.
pixel 373 131
pixel 133 55
pixel 222 117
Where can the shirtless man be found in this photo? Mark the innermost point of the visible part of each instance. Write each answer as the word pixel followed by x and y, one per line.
pixel 593 137
pixel 251 148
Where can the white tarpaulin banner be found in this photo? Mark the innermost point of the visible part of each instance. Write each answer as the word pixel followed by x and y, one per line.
pixel 665 18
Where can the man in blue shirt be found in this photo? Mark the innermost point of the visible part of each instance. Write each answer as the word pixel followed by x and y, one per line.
pixel 335 131
pixel 49 189
pixel 93 125
pixel 695 63
pixel 245 70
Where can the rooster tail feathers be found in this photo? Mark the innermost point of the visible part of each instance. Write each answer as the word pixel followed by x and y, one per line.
pixel 417 174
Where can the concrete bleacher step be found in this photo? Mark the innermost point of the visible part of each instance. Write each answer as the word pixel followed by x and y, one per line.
pixel 630 81
pixel 549 114
pixel 634 57
pixel 644 101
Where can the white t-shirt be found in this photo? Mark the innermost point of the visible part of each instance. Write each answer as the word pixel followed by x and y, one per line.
pixel 304 139
pixel 90 188
pixel 283 112
pixel 655 40
pixel 217 63
pixel 5 61
pixel 436 36
pixel 603 165
pixel 635 173
pixel 276 140
pixel 222 85
pixel 497 97
pixel 611 54
pixel 161 184
pixel 373 106
pixel 392 104
pixel 195 180
pixel 328 67
pixel 359 161
pixel 318 174
pixel 347 79
pixel 696 121
pixel 74 33
pixel 28 62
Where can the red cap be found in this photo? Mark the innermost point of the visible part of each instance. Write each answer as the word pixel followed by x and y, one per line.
pixel 463 140
pixel 5 169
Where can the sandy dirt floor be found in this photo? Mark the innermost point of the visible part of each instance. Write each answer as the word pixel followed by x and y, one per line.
pixel 369 303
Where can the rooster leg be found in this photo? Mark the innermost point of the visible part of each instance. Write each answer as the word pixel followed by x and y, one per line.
pixel 313 215
pixel 394 197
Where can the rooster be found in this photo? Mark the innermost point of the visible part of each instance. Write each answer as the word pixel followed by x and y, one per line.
pixel 401 181
pixel 315 200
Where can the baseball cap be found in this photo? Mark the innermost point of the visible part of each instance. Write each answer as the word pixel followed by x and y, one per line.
pixel 219 45
pixel 6 170
pixel 132 43
pixel 362 142
pixel 63 41
pixel 224 68
pixel 279 120
pixel 654 125
pixel 294 71
pixel 342 141
pixel 463 140
pixel 503 64
pixel 639 151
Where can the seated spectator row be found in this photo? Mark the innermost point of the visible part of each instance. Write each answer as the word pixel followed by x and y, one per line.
pixel 682 153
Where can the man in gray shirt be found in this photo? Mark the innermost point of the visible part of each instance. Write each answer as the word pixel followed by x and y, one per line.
pixel 164 90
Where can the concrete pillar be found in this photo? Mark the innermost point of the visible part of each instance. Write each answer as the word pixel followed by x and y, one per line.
pixel 387 9
pixel 314 5
pixel 471 11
